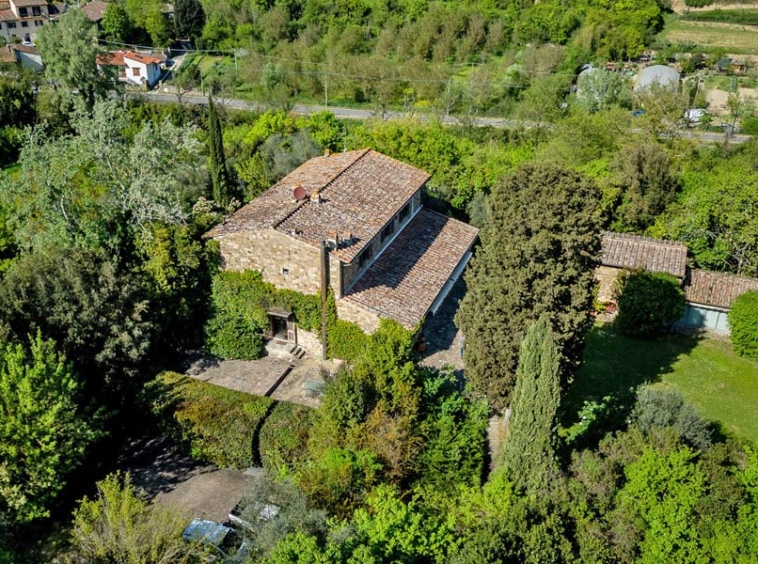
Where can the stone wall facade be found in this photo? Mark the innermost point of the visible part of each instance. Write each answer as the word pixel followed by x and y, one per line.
pixel 309 342
pixel 282 260
pixel 606 277
pixel 367 321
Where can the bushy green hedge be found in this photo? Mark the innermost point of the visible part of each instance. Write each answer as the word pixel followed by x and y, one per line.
pixel 218 425
pixel 647 301
pixel 283 439
pixel 239 304
pixel 743 323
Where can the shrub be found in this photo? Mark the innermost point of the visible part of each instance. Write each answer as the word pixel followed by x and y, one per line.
pixel 283 440
pixel 648 301
pixel 743 322
pixel 232 336
pixel 218 425
pixel 662 408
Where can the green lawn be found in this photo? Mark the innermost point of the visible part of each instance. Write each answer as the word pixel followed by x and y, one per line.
pixel 722 386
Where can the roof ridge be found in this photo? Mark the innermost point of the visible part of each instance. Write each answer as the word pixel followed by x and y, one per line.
pixel 645 238
pixel 319 190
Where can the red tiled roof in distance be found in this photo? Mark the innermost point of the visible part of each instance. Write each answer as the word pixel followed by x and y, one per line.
pixel 633 251
pixel 94 10
pixel 115 59
pixel 404 281
pixel 7 15
pixel 25 48
pixel 140 58
pixel 358 192
pixel 716 289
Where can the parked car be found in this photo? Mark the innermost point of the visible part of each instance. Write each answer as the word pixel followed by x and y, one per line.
pixel 222 542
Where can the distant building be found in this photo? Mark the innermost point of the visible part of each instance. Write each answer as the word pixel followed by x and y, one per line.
pixel 95 10
pixel 25 55
pixel 657 74
pixel 133 68
pixel 708 295
pixel 21 19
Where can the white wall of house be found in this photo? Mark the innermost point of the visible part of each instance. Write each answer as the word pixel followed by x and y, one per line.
pixel 697 316
pixel 32 61
pixel 16 23
pixel 142 73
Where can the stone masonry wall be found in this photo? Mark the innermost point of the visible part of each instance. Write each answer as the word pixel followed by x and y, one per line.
pixel 283 260
pixel 606 276
pixel 366 320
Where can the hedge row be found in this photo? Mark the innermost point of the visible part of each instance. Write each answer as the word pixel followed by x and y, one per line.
pixel 283 439
pixel 743 324
pixel 216 424
pixel 744 17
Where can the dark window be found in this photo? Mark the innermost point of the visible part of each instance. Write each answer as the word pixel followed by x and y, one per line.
pixel 285 271
pixel 24 24
pixel 405 212
pixel 23 12
pixel 11 25
pixel 365 256
pixel 37 23
pixel 36 11
pixel 388 230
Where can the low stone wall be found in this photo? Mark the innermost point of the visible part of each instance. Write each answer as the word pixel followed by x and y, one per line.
pixel 309 342
pixel 607 277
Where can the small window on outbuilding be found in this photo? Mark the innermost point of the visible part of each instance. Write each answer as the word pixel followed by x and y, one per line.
pixel 405 212
pixel 285 271
pixel 388 230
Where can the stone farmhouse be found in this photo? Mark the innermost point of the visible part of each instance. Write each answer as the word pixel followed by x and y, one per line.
pixel 708 295
pixel 387 255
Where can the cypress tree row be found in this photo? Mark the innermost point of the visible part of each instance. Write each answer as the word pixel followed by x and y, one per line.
pixel 529 449
pixel 538 254
pixel 219 173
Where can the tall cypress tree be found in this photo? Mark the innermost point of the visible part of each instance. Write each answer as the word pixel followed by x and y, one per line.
pixel 529 449
pixel 538 254
pixel 189 18
pixel 219 173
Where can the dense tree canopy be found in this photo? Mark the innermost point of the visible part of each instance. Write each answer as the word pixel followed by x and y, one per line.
pixel 538 253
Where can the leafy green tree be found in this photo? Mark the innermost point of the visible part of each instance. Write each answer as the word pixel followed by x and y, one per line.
pixel 598 89
pixel 222 189
pixel 189 18
pixel 538 253
pixel 97 314
pixel 649 184
pixel 118 526
pixel 529 450
pixel 743 323
pixel 97 188
pixel 116 24
pixel 69 50
pixel 157 25
pixel 44 435
pixel 648 301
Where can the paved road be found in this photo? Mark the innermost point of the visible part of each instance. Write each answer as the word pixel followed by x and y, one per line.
pixel 354 113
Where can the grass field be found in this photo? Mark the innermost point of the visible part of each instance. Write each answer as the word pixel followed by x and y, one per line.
pixel 722 386
pixel 711 34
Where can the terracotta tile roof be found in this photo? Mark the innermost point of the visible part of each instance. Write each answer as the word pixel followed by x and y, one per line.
pixel 115 59
pixel 359 192
pixel 7 54
pixel 95 10
pixel 632 251
pixel 404 281
pixel 7 15
pixel 716 289
pixel 28 3
pixel 140 58
pixel 25 49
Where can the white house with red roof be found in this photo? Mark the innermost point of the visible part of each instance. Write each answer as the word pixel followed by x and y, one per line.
pixel 133 68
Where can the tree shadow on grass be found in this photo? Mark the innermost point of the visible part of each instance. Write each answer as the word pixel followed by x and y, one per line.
pixel 614 366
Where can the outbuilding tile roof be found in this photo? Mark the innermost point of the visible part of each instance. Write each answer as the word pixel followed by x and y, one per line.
pixel 28 3
pixel 633 251
pixel 356 192
pixel 716 289
pixel 7 54
pixel 95 10
pixel 140 58
pixel 404 281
